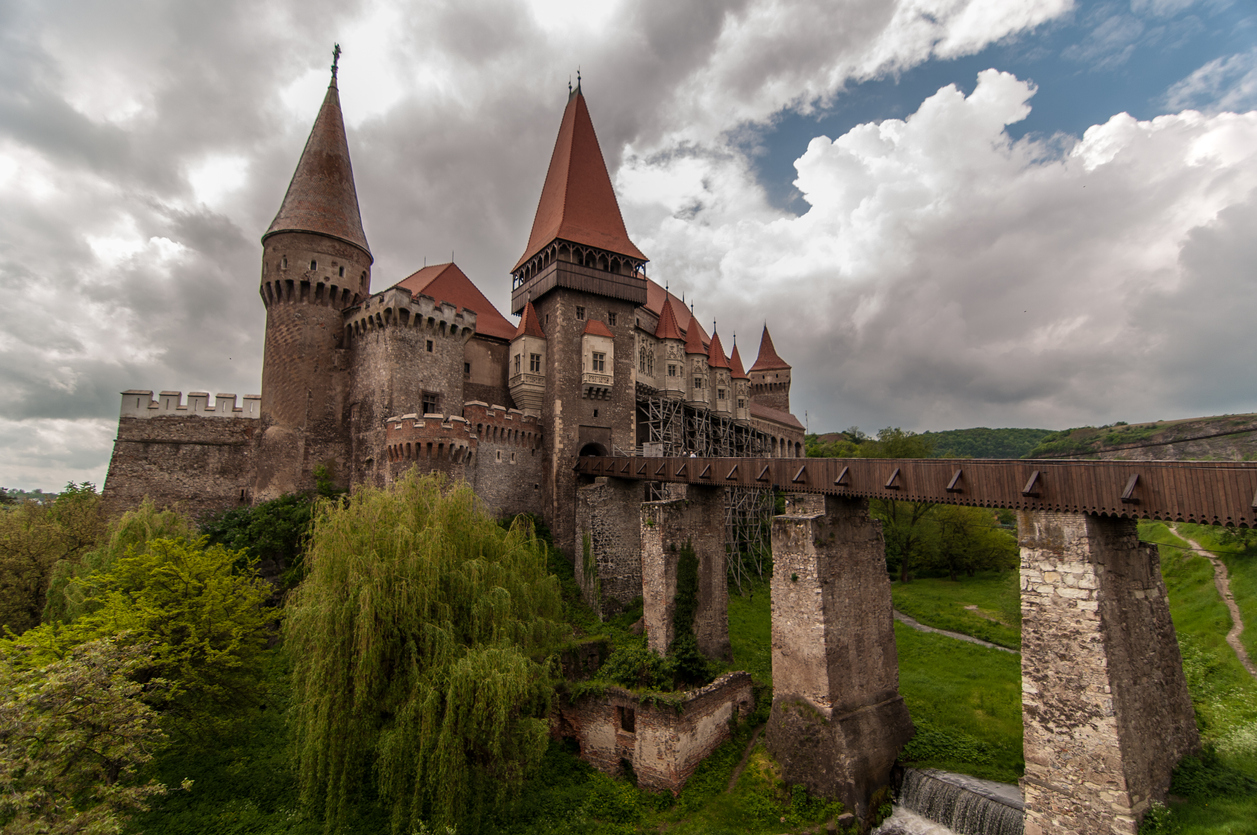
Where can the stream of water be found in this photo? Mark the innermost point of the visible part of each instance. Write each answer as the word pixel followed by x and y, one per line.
pixel 942 803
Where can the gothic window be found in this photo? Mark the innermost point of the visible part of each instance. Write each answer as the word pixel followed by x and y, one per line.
pixel 342 272
pixel 600 362
pixel 720 394
pixel 431 402
pixel 517 362
pixel 283 264
pixel 611 319
pixel 741 403
pixel 534 363
pixel 580 312
pixel 698 382
pixel 672 369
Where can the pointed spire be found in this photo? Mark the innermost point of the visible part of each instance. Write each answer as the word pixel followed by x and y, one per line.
pixel 716 354
pixel 528 324
pixel 735 364
pixel 694 339
pixel 577 201
pixel 321 197
pixel 668 327
pixel 768 359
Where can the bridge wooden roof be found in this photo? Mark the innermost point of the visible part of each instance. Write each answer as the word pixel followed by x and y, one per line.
pixel 1205 492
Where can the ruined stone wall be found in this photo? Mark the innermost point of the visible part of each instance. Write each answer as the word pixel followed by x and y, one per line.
pixel 665 741
pixel 196 458
pixel 608 518
pixel 665 529
pixel 1105 704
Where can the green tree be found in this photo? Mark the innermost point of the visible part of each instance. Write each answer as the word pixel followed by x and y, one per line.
pixel 421 639
pixel 34 538
pixel 969 541
pixel 272 533
pixel 73 735
pixel 905 525
pixel 202 616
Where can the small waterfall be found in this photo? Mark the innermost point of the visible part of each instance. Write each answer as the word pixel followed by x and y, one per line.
pixel 964 805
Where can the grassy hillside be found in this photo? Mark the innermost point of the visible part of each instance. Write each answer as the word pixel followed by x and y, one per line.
pixel 1225 437
pixel 984 443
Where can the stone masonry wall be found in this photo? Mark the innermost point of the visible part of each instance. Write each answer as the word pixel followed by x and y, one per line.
pixel 665 528
pixel 664 742
pixel 837 721
pixel 1106 709
pixel 200 465
pixel 608 515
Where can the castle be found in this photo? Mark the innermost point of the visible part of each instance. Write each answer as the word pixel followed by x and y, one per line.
pixel 360 386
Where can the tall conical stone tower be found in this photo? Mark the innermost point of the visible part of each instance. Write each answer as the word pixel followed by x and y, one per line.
pixel 315 264
pixel 583 277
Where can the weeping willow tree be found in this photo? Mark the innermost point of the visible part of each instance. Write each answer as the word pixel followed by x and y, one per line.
pixel 421 641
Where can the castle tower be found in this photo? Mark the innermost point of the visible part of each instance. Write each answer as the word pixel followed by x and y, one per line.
pixel 584 278
pixel 697 376
pixel 671 361
pixel 528 363
pixel 315 264
pixel 770 376
pixel 721 378
pixel 741 385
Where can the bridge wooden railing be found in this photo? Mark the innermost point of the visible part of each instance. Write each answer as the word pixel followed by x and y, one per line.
pixel 1212 493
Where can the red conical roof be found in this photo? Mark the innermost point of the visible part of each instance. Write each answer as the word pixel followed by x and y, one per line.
pixel 321 197
pixel 528 324
pixel 577 201
pixel 447 283
pixel 716 354
pixel 768 359
pixel 668 327
pixel 694 338
pixel 735 363
pixel 595 328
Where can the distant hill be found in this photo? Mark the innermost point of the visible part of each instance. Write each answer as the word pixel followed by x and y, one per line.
pixel 956 443
pixel 985 443
pixel 1221 438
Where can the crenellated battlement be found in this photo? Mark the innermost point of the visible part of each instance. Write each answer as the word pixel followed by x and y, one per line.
pixel 396 307
pixel 430 437
pixel 497 424
pixel 138 403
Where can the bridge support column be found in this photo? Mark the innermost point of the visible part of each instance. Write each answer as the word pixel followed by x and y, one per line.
pixel 666 527
pixel 608 554
pixel 837 720
pixel 1104 700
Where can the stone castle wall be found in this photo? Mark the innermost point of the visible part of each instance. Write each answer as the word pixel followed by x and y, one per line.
pixel 608 515
pixel 198 456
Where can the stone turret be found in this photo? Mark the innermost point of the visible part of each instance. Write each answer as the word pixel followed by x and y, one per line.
pixel 696 368
pixel 721 378
pixel 741 385
pixel 315 264
pixel 770 376
pixel 528 363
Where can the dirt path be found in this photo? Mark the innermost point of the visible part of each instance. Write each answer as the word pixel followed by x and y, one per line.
pixel 960 636
pixel 1224 588
pixel 746 755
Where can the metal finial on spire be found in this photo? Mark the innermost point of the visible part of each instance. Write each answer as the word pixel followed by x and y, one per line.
pixel 713 324
pixel 335 59
pixel 578 76
pixel 569 85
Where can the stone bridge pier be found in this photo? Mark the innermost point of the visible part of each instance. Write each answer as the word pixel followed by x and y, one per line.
pixel 1105 704
pixel 837 720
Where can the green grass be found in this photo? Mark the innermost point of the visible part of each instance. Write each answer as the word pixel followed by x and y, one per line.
pixel 966 703
pixel 941 603
pixel 1241 569
pixel 751 631
pixel 1223 693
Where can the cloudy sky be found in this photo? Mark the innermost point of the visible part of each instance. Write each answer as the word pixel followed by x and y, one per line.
pixel 950 213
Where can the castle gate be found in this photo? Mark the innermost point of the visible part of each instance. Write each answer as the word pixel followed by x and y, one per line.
pixel 1105 705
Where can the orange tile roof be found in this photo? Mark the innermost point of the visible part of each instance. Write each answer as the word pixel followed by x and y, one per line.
pixel 716 354
pixel 447 283
pixel 735 362
pixel 694 342
pixel 528 324
pixel 668 327
pixel 595 328
pixel 321 197
pixel 768 359
pixel 759 410
pixel 655 297
pixel 577 201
